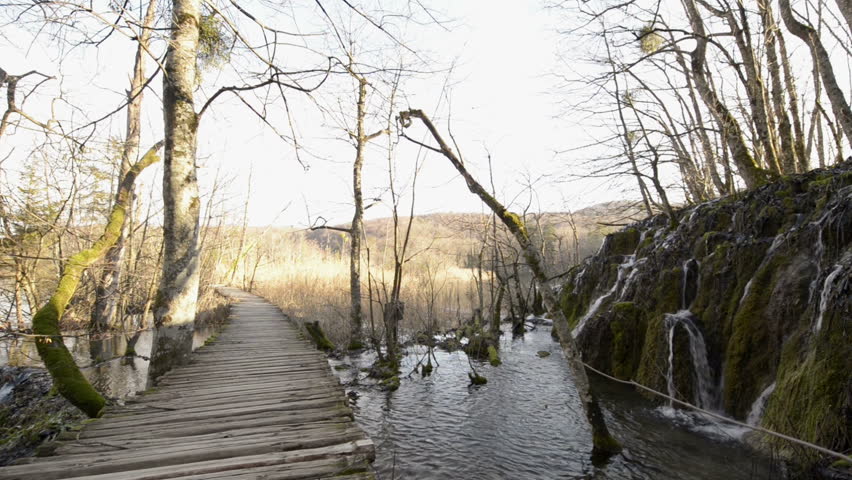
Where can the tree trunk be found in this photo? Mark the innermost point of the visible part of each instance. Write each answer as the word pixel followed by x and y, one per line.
pixel 107 294
pixel 67 378
pixel 355 230
pixel 785 131
pixel 821 59
pixel 796 119
pixel 755 88
pixel 603 442
pixel 732 134
pixel 174 308
pixel 845 7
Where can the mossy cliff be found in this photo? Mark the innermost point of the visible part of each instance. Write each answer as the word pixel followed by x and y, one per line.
pixel 765 277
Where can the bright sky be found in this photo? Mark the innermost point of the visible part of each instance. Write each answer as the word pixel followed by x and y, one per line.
pixel 500 99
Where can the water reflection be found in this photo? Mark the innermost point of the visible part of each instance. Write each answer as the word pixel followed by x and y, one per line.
pixel 117 364
pixel 526 422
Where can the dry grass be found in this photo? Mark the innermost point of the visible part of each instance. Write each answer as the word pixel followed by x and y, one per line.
pixel 315 287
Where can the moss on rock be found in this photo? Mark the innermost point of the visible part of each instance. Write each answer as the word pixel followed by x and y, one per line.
pixel 318 336
pixel 623 242
pixel 628 337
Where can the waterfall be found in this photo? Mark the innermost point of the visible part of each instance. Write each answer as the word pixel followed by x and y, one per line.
pixel 745 291
pixel 631 277
pixel 628 264
pixel 577 280
pixel 704 393
pixel 826 291
pixel 757 407
pixel 688 266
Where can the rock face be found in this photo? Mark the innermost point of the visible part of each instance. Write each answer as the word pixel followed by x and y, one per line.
pixel 745 306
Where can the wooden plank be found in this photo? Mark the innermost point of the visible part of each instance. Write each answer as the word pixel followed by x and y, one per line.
pixel 260 402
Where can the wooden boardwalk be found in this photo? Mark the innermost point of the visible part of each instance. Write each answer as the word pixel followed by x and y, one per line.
pixel 258 403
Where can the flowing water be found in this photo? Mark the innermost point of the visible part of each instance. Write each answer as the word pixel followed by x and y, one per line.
pixel 705 392
pixel 628 264
pixel 527 423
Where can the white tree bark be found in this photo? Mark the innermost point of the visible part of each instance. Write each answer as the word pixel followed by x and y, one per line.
pixel 174 308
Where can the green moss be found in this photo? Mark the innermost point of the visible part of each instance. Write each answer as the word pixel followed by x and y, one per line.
pixel 493 356
pixel 350 471
pixel 318 336
pixel 574 305
pixel 605 445
pixel 821 183
pixel 355 345
pixel 653 362
pixel 476 379
pixel 543 354
pixel 628 337
pixel 623 242
pixel 515 220
pixel 749 362
pixel 646 242
pixel 391 383
pixel 811 399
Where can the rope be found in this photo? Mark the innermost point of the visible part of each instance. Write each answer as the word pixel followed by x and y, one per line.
pixel 724 418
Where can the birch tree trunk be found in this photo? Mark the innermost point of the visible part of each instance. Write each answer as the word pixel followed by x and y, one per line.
pixel 602 441
pixel 822 60
pixel 175 305
pixel 107 294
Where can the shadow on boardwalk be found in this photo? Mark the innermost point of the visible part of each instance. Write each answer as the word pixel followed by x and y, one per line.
pixel 258 403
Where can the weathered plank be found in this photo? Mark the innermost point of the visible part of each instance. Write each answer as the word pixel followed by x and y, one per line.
pixel 258 403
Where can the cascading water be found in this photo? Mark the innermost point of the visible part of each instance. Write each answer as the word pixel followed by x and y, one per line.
pixel 632 277
pixel 704 391
pixel 629 261
pixel 825 294
pixel 690 266
pixel 759 405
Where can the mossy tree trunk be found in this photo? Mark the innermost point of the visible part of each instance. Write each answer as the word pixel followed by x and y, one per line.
pixel 177 295
pixel 67 378
pixel 602 441
pixel 107 294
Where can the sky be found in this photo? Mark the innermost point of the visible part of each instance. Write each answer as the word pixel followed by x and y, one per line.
pixel 499 98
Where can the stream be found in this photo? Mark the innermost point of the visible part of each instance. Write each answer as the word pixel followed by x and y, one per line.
pixel 527 423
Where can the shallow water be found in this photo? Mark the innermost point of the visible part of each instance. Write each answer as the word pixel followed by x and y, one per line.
pixel 102 360
pixel 527 423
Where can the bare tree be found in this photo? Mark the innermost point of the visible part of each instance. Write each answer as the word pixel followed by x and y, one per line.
pixel 602 441
pixel 822 62
pixel 107 295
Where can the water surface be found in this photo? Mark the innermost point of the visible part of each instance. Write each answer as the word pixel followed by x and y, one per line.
pixel 527 423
